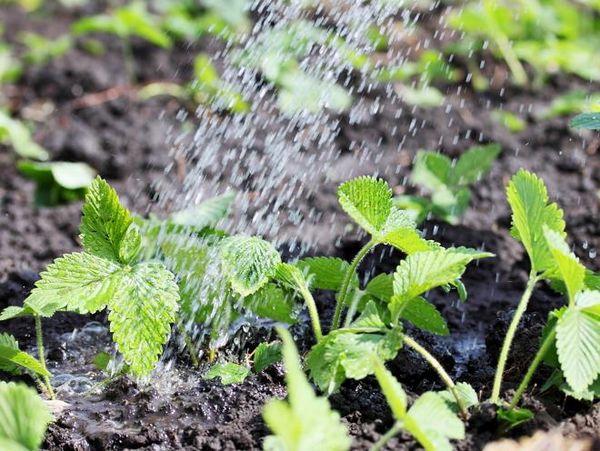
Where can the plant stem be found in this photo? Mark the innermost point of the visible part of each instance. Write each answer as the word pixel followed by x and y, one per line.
pixel 439 368
pixel 312 309
pixel 341 299
pixel 41 354
pixel 533 367
pixel 378 446
pixel 510 335
pixel 353 306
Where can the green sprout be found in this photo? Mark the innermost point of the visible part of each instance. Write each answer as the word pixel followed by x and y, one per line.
pixel 448 182
pixel 574 330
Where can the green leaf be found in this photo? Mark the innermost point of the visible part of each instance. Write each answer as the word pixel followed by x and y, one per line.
pixel 80 282
pixel 265 355
pixel 422 271
pixel 229 373
pixel 590 121
pixel 571 271
pixel 341 355
pixel 578 345
pixel 305 421
pixel 24 417
pixel 8 342
pixel 13 312
pixel 368 201
pixel 425 316
pixel 438 422
pixel 271 302
pixel 57 182
pixel 466 393
pixel 206 214
pixel 12 359
pixel 369 318
pixel 473 164
pixel 325 273
pixel 105 221
pixel 516 416
pixel 248 262
pixel 141 313
pixel 401 232
pixel 589 301
pixel 18 135
pixel 431 170
pixel 381 287
pixel 531 211
pixel 130 244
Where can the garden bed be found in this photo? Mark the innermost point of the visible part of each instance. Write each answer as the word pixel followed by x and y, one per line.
pixel 95 118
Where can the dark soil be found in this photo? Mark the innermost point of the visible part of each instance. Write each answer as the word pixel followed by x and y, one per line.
pixel 127 141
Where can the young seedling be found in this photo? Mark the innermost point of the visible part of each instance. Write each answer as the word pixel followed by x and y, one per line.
pixel 206 89
pixel 448 182
pixel 532 216
pixel 41 50
pixel 573 332
pixel 305 421
pixel 126 22
pixel 142 296
pixel 277 54
pixel 24 418
pixel 192 19
pixel 430 420
pixel 527 31
pixel 59 181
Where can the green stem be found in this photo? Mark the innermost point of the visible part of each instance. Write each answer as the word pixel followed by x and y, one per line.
pixel 378 446
pixel 353 306
pixel 41 354
pixel 533 367
pixel 439 368
pixel 341 299
pixel 510 335
pixel 312 309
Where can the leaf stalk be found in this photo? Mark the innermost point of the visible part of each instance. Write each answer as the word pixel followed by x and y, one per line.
pixel 510 335
pixel 533 367
pixel 437 366
pixel 41 354
pixel 343 294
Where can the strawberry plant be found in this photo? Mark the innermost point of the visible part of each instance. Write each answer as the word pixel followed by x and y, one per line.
pixel 141 296
pixel 386 300
pixel 574 331
pixel 24 418
pixel 447 181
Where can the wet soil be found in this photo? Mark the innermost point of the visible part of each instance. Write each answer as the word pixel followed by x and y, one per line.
pixel 128 142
